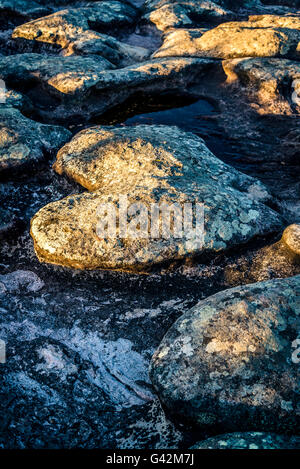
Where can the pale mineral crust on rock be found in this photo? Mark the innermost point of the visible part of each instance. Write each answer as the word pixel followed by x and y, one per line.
pixel 228 363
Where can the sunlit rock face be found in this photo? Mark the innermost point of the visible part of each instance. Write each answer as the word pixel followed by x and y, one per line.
pixel 261 36
pixel 273 85
pixel 248 440
pixel 147 164
pixel 87 86
pixel 24 142
pixel 166 14
pixel 59 75
pixel 229 363
pixel 76 31
pixel 291 239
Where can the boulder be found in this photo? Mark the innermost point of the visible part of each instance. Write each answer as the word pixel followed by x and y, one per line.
pixel 59 75
pixel 177 14
pixel 76 31
pixel 25 142
pixel 227 364
pixel 163 165
pixel 261 36
pixel 273 85
pixel 87 86
pixel 291 240
pixel 249 440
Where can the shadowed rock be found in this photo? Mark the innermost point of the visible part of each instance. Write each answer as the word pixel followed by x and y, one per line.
pixel 148 164
pixel 24 142
pixel 23 8
pixel 281 259
pixel 9 223
pixel 227 364
pixel 261 36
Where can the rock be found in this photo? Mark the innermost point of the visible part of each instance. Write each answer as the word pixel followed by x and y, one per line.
pixel 76 373
pixel 162 165
pixel 9 223
pixel 59 75
pixel 280 259
pixel 84 86
pixel 25 142
pixel 272 84
pixel 21 280
pixel 175 14
pixel 248 440
pixel 291 239
pixel 11 98
pixel 261 36
pixel 227 365
pixel 72 30
pixel 25 9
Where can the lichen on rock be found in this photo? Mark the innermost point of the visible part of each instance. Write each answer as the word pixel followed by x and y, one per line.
pixel 163 165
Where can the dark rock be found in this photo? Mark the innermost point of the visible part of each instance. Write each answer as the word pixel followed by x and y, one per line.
pixel 24 142
pixel 249 440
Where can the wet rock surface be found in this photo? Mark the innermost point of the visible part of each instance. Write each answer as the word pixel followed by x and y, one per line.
pixel 79 343
pixel 227 363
